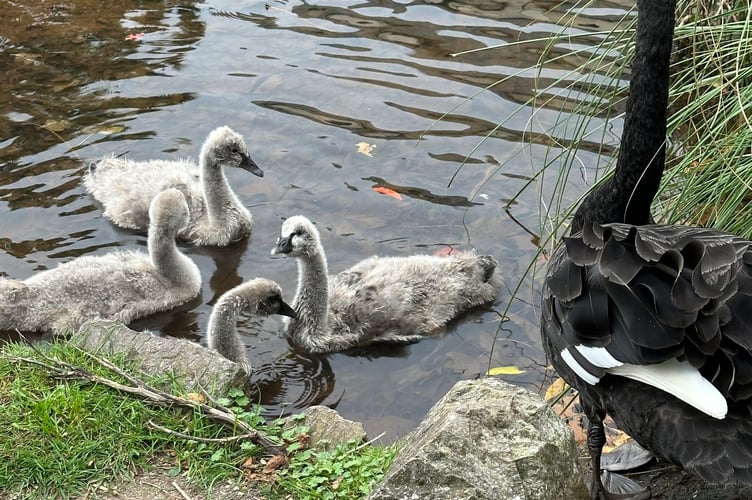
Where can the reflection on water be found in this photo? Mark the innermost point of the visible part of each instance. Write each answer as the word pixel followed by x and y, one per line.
pixel 293 382
pixel 305 83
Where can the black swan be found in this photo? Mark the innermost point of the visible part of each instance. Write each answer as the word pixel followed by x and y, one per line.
pixel 257 297
pixel 122 285
pixel 217 218
pixel 380 299
pixel 652 324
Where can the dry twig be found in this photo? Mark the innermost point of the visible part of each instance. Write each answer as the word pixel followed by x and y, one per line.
pixel 65 371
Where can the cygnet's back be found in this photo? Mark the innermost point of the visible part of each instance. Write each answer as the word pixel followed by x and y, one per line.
pixel 121 285
pixel 257 297
pixel 126 188
pixel 380 299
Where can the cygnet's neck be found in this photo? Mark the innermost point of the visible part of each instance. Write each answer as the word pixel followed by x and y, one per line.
pixel 222 330
pixel 218 197
pixel 164 253
pixel 312 296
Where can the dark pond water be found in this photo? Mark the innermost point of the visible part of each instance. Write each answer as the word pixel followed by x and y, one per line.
pixel 305 82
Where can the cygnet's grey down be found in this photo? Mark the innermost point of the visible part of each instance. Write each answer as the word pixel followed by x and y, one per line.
pixel 380 299
pixel 122 285
pixel 217 218
pixel 258 297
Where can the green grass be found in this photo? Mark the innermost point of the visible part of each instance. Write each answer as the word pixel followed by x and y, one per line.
pixel 709 161
pixel 708 177
pixel 62 438
pixel 708 180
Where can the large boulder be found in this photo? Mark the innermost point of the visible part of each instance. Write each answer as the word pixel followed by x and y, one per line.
pixel 192 364
pixel 486 439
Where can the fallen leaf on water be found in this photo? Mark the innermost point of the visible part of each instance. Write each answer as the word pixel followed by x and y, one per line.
pixel 505 370
pixel 56 125
pixel 388 191
pixel 365 148
pixel 111 129
pixel 446 251
pixel 134 36
pixel 557 387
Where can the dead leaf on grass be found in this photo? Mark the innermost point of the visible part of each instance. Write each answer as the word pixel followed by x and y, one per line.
pixel 196 397
pixel 274 463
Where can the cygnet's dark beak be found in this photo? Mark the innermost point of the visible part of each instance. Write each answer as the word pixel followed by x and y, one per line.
pixel 286 310
pixel 284 245
pixel 247 163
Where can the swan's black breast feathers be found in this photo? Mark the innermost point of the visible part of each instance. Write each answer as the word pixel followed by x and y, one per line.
pixel 650 294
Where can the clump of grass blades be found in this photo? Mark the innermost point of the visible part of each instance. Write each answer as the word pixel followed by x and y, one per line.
pixel 63 437
pixel 58 437
pixel 710 177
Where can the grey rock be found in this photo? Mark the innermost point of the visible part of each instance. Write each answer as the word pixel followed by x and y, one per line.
pixel 192 364
pixel 486 439
pixel 327 429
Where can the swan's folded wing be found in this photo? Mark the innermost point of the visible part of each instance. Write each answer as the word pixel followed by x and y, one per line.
pixel 653 294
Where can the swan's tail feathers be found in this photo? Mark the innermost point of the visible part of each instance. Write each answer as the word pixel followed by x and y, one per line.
pixel 489 267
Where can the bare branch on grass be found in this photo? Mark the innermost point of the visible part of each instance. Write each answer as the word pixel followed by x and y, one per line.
pixel 65 371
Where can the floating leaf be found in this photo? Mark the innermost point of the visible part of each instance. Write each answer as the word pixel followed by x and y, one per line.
pixel 110 129
pixel 56 125
pixel 365 148
pixel 557 387
pixel 447 251
pixel 505 370
pixel 134 36
pixel 387 191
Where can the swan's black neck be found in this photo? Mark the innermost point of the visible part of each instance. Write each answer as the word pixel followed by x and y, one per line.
pixel 639 167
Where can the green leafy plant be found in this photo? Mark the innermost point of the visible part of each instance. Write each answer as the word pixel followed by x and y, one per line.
pixel 69 435
pixel 349 471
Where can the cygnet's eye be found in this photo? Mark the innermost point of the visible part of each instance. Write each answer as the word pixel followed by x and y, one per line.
pixel 272 302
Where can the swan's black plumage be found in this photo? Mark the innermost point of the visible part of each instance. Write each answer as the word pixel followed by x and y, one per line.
pixel 623 295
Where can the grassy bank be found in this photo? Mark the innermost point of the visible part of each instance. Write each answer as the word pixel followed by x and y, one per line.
pixel 708 179
pixel 64 435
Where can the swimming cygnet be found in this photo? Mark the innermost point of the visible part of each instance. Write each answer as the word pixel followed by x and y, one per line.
pixel 122 285
pixel 258 297
pixel 380 299
pixel 217 218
